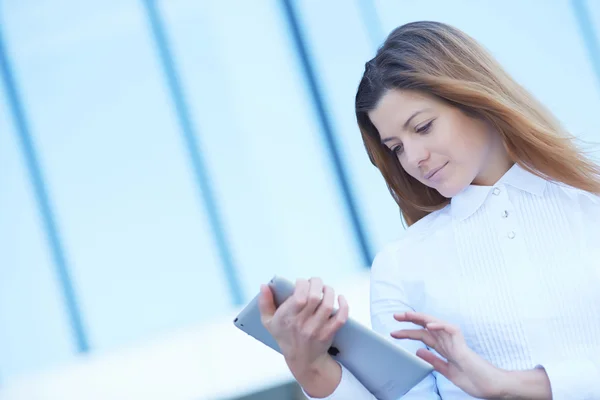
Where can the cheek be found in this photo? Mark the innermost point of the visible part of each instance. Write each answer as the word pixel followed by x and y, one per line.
pixel 412 171
pixel 470 143
pixel 460 147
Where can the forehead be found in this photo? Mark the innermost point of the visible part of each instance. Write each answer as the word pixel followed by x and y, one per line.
pixel 395 107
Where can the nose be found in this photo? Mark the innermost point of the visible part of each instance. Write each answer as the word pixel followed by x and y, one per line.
pixel 416 153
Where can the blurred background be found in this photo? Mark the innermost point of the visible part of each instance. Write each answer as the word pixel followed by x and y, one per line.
pixel 159 160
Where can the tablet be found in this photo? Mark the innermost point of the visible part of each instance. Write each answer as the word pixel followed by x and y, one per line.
pixel 385 369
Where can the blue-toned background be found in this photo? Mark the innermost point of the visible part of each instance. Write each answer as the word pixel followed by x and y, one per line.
pixel 160 159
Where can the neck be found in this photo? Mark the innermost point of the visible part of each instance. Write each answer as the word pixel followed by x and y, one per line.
pixel 498 163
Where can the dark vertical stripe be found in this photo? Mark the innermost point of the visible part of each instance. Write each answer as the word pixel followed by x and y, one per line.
pixel 590 39
pixel 43 200
pixel 372 22
pixel 188 132
pixel 326 130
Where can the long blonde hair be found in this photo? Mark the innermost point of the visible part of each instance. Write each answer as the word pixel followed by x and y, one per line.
pixel 443 61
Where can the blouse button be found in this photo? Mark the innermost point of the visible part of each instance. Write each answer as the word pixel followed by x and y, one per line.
pixel 511 235
pixel 504 214
pixel 496 191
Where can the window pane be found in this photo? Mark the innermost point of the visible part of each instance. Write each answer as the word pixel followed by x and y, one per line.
pixel 126 200
pixel 594 9
pixel 30 298
pixel 340 55
pixel 281 203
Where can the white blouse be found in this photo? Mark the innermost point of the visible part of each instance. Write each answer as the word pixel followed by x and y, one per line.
pixel 517 267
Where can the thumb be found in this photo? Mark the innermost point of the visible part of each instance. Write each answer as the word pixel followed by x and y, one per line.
pixel 266 304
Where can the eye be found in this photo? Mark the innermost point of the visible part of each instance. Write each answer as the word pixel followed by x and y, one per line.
pixel 398 149
pixel 425 128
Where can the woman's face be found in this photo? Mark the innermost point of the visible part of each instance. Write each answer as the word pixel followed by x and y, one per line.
pixel 438 144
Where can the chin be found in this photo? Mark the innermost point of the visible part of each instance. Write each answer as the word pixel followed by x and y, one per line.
pixel 449 191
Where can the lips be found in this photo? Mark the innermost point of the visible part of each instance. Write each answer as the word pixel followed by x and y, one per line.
pixel 434 171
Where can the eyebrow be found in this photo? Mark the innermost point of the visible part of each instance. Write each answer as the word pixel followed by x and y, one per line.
pixel 405 126
pixel 412 116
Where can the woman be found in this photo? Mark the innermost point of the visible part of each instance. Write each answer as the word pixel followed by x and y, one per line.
pixel 496 281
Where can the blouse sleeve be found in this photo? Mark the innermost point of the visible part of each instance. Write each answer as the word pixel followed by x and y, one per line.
pixel 388 297
pixel 578 377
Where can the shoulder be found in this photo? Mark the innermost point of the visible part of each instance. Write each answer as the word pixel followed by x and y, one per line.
pixel 414 243
pixel 587 203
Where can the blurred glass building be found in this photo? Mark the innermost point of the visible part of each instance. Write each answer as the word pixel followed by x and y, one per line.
pixel 161 159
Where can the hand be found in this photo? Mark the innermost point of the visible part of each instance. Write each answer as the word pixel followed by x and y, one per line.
pixel 304 327
pixel 461 366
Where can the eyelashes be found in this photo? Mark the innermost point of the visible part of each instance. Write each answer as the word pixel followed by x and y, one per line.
pixel 422 130
pixel 425 128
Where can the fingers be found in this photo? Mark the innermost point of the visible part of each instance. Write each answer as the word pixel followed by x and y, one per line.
pixel 415 334
pixel 309 309
pixel 326 307
pixel 297 301
pixel 416 318
pixel 335 322
pixel 317 319
pixel 442 327
pixel 266 304
pixel 438 364
pixel 315 293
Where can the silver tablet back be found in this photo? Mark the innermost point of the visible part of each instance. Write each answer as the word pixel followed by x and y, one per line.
pixel 386 370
